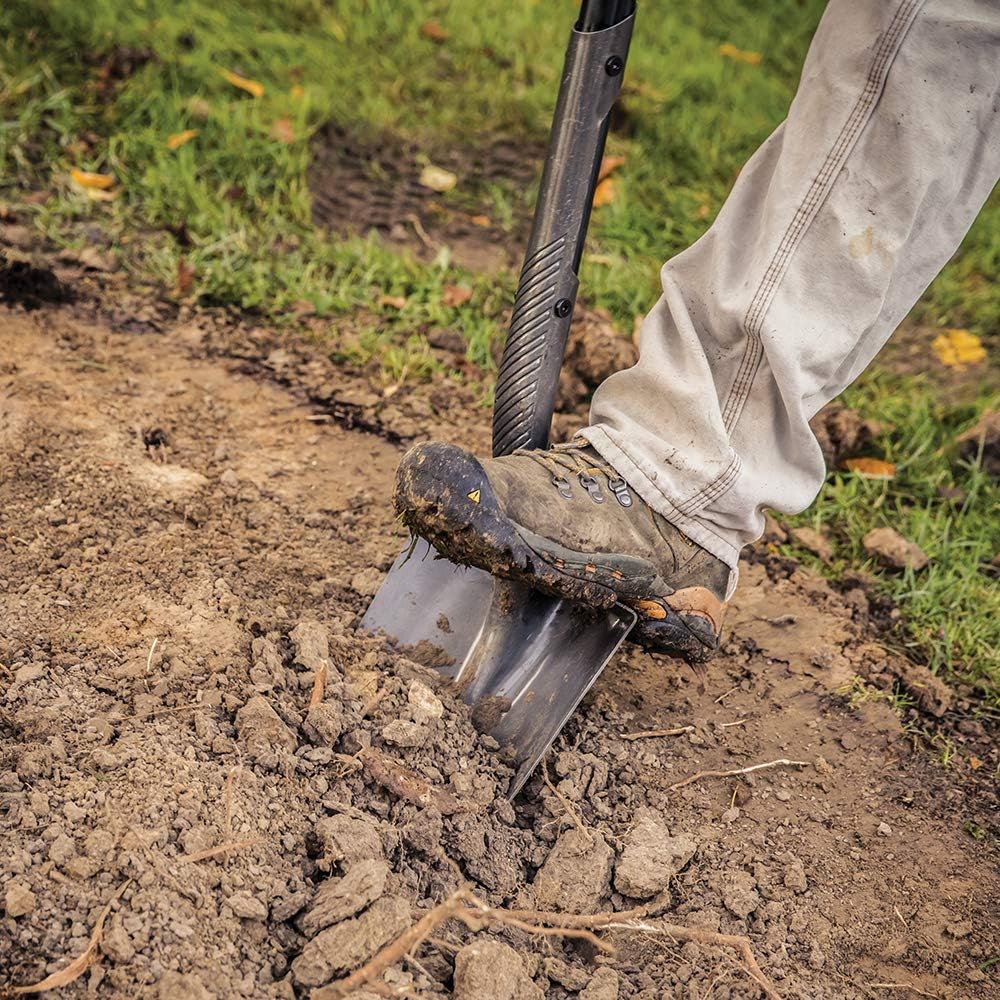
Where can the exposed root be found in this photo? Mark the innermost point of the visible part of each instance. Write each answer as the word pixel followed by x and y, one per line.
pixel 783 762
pixel 212 852
pixel 82 962
pixel 319 685
pixel 463 905
pixel 648 734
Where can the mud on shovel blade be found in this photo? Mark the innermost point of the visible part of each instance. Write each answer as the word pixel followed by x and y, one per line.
pixel 524 660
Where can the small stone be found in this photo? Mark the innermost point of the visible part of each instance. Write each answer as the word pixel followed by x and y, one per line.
pixel 260 728
pixel 348 944
pixel 424 704
pixel 651 857
pixel 492 970
pixel 312 645
pixel 247 907
pixel 19 900
pixel 324 723
pixel 576 875
pixel 783 795
pixel 405 734
pixel 62 849
pixel 73 812
pixel 340 898
pixel 884 830
pixel 795 877
pixel 892 549
pixel 604 986
pixel 849 741
pixel 116 943
pixel 822 766
pixel 346 841
pixel 570 976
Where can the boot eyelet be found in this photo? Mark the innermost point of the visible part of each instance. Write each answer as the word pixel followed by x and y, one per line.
pixel 563 487
pixel 590 484
pixel 620 489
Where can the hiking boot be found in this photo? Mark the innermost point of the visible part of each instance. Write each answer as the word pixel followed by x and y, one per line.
pixel 564 522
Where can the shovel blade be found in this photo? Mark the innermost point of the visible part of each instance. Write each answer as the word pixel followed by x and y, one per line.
pixel 521 659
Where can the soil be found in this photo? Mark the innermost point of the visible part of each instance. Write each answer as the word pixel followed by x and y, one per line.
pixel 193 513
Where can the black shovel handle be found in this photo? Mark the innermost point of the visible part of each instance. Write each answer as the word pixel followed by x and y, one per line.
pixel 543 307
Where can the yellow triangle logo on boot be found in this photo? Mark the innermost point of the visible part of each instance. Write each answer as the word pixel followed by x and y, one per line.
pixel 474 496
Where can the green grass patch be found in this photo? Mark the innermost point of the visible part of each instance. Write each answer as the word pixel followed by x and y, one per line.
pixel 233 204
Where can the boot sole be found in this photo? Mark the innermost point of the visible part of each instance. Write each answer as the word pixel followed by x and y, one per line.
pixel 444 495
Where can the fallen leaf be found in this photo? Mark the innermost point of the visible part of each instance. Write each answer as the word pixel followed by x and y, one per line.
pixel 433 31
pixel 283 131
pixel 481 220
pixel 303 308
pixel 395 301
pixel 252 87
pixel 609 164
pixel 870 468
pixel 179 138
pixel 975 763
pixel 604 194
pixel 958 347
pixel 437 178
pixel 91 181
pixel 455 295
pixel 185 277
pixel 729 51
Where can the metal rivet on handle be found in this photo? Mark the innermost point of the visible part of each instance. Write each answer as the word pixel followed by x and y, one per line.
pixel 563 308
pixel 614 65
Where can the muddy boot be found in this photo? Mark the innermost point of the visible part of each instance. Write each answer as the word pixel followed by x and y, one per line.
pixel 564 522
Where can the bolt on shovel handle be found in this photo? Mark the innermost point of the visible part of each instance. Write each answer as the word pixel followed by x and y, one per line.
pixel 543 306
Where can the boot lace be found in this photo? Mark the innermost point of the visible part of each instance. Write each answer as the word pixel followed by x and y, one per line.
pixel 567 458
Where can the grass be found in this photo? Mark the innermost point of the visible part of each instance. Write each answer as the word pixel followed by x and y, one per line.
pixel 232 205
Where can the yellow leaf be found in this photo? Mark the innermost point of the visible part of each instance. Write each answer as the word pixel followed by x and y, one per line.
pixel 609 164
pixel 297 91
pixel 85 179
pixel 730 51
pixel 437 178
pixel 870 468
pixel 958 347
pixel 252 87
pixel 481 220
pixel 282 130
pixel 179 138
pixel 395 301
pixel 605 192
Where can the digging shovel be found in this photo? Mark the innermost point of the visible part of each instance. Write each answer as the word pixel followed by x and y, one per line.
pixel 524 660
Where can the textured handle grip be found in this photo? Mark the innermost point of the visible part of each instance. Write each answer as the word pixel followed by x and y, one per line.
pixel 543 307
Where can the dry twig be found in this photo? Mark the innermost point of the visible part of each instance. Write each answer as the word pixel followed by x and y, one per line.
pixel 319 685
pixel 211 852
pixel 783 762
pixel 647 734
pixel 83 961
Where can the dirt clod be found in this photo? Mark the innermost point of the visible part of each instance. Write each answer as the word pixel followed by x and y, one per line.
pixel 651 857
pixel 576 875
pixel 894 550
pixel 492 970
pixel 604 986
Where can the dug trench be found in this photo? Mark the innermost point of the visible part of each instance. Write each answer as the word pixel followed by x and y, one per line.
pixel 213 785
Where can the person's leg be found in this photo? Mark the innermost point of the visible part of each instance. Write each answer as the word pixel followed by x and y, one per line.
pixel 832 231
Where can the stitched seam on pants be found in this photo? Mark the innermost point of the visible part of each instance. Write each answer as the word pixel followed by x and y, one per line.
pixel 693 504
pixel 819 189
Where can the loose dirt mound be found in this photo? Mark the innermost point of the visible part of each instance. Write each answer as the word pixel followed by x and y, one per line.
pixel 194 732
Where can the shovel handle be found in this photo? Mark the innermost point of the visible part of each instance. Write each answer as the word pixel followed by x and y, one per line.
pixel 546 293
